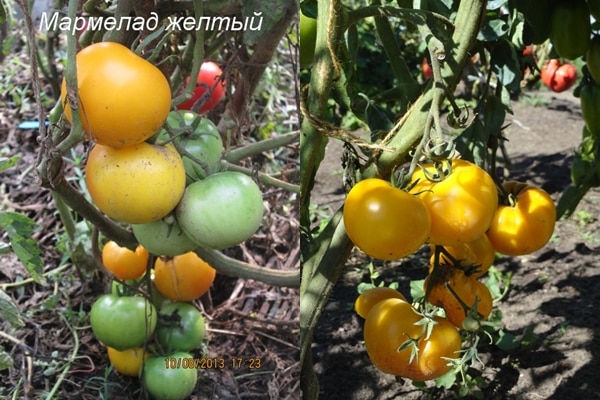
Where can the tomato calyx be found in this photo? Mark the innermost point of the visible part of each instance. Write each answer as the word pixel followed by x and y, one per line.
pixel 509 192
pixel 442 169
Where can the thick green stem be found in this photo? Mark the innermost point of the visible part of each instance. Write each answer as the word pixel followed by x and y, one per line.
pixel 252 149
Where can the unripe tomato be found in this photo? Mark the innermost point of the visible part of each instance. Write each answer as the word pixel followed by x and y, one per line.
pixel 124 263
pixel 170 378
pixel 592 58
pixel 163 237
pixel 558 77
pixel 383 221
pixel 127 362
pixel 367 299
pixel 183 278
pixel 122 322
pixel 221 211
pixel 455 283
pixel 124 99
pixel 308 40
pixel 571 28
pixel 589 97
pixel 525 224
pixel 180 327
pixel 390 323
pixel 461 205
pixel 209 90
pixel 135 184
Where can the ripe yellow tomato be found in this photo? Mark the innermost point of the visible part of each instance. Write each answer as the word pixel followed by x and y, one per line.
pixel 390 323
pixel 383 221
pixel 367 299
pixel 124 99
pixel 527 224
pixel 183 278
pixel 124 263
pixel 475 257
pixel 135 184
pixel 461 206
pixel 127 362
pixel 455 283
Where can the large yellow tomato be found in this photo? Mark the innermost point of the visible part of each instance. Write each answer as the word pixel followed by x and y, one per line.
pixel 124 99
pixel 391 323
pixel 461 206
pixel 525 225
pixel 135 184
pixel 369 298
pixel 383 221
pixel 475 257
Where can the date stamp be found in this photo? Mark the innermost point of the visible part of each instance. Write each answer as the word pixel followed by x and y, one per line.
pixel 213 362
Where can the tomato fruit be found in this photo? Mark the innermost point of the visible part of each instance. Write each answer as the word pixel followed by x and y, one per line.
pixel 589 97
pixel 390 323
pixel 571 28
pixel 367 299
pixel 124 263
pixel 558 77
pixel 163 237
pixel 122 322
pixel 199 137
pixel 180 327
pixel 475 257
pixel 592 58
pixel 426 69
pixel 183 278
pixel 209 90
pixel 594 6
pixel 525 224
pixel 124 99
pixel 383 221
pixel 170 378
pixel 127 362
pixel 461 205
pixel 135 184
pixel 221 211
pixel 444 291
pixel 308 40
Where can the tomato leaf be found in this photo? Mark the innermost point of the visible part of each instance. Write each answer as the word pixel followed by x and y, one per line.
pixel 6 163
pixel 570 199
pixel 9 312
pixel 492 29
pixel 20 230
pixel 507 341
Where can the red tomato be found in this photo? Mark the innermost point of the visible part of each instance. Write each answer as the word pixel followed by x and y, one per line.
pixel 426 68
pixel 558 77
pixel 208 79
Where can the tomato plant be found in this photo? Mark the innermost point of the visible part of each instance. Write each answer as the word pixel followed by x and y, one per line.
pixel 370 297
pixel 163 237
pixel 558 76
pixel 209 90
pixel 398 345
pixel 589 97
pixel 127 362
pixel 168 378
pixel 221 211
pixel 571 28
pixel 122 322
pixel 199 139
pixel 124 263
pixel 135 184
pixel 461 204
pixel 124 99
pixel 383 221
pixel 592 58
pixel 308 38
pixel 180 327
pixel 184 277
pixel 526 223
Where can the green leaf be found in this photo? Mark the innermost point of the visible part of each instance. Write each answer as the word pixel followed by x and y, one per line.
pixel 20 230
pixel 492 29
pixel 507 341
pixel 471 143
pixel 505 65
pixel 447 380
pixel 2 12
pixel 569 200
pixel 9 311
pixel 416 289
pixel 6 163
pixel 5 360
pixel 253 11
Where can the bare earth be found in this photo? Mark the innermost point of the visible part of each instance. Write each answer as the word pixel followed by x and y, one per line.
pixel 553 291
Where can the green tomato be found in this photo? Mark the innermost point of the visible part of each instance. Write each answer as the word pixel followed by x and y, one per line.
pixel 221 211
pixel 180 327
pixel 589 97
pixel 122 322
pixel 170 378
pixel 592 57
pixel 200 138
pixel 571 28
pixel 308 39
pixel 163 237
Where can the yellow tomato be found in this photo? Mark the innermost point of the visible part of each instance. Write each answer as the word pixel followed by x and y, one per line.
pixel 124 99
pixel 367 299
pixel 135 184
pixel 127 362
pixel 124 263
pixel 183 278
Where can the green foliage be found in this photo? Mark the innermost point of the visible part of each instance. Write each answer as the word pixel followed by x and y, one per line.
pixel 20 230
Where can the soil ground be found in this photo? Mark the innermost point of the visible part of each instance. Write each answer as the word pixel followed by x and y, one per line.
pixel 553 293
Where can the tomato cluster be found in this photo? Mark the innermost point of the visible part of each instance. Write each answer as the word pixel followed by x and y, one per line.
pixel 142 330
pixel 466 218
